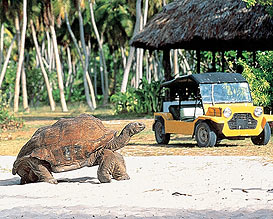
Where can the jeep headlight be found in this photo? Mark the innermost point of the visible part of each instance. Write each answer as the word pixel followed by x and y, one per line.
pixel 258 111
pixel 227 112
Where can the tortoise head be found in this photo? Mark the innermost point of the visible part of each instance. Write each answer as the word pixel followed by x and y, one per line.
pixel 134 128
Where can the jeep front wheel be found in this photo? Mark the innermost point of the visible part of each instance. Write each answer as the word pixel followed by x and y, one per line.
pixel 264 137
pixel 204 136
pixel 160 136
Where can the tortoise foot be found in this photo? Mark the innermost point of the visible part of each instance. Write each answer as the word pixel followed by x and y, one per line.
pixel 124 177
pixel 52 181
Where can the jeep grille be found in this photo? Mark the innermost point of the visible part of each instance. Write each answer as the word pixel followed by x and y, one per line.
pixel 242 121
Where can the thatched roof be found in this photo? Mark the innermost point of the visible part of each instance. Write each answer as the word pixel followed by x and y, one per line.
pixel 208 25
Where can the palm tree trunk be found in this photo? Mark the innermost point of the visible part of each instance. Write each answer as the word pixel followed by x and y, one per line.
pixel 159 66
pixel 21 58
pixel 132 49
pixel 185 61
pixel 85 66
pixel 48 87
pixel 127 69
pixel 24 90
pixel 49 51
pixel 106 84
pixel 123 56
pixel 69 62
pixel 1 45
pixel 23 73
pixel 89 82
pixel 175 63
pixel 73 38
pixel 6 61
pixel 58 68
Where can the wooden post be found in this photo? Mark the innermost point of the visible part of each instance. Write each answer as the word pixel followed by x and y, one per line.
pixel 239 68
pixel 223 61
pixel 213 61
pixel 198 61
pixel 167 65
pixel 254 58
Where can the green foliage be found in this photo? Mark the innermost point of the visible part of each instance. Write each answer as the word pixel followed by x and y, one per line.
pixel 143 100
pixel 148 97
pixel 268 3
pixel 262 2
pixel 114 21
pixel 7 121
pixel 260 78
pixel 123 102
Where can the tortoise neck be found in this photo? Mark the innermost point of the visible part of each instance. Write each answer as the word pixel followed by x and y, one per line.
pixel 119 141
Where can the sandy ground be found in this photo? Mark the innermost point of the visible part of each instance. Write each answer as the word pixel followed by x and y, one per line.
pixel 160 187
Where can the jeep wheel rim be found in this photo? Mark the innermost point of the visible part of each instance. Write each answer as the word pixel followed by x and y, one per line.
pixel 203 134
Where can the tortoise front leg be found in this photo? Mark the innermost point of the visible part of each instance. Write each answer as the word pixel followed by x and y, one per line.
pixel 120 172
pixel 41 171
pixel 26 174
pixel 112 164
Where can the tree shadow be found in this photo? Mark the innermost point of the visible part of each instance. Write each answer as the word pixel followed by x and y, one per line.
pixel 103 117
pixel 42 118
pixel 86 179
pixel 16 181
pixel 181 145
pixel 10 182
pixel 247 190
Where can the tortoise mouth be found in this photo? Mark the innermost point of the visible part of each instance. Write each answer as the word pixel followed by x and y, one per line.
pixel 139 127
pixel 134 128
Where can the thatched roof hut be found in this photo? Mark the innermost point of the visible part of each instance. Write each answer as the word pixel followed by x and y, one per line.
pixel 214 25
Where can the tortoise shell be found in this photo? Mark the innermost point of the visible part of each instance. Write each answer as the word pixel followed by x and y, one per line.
pixel 68 143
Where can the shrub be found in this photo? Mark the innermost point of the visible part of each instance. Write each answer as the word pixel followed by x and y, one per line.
pixel 260 79
pixel 143 100
pixel 7 121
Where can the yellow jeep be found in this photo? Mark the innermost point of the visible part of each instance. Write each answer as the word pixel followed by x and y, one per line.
pixel 211 107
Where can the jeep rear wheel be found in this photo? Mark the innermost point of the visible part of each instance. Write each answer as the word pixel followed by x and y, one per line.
pixel 160 136
pixel 204 136
pixel 264 137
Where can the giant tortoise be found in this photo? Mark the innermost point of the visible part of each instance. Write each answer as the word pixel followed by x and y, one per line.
pixel 73 143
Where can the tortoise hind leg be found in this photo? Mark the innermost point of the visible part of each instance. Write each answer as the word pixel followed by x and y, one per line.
pixel 112 164
pixel 41 170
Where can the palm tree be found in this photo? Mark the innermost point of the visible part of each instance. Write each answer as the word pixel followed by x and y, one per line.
pixel 21 58
pixel 85 66
pixel 114 22
pixel 87 80
pixel 48 87
pixel 23 73
pixel 1 43
pixel 4 68
pixel 50 22
pixel 106 84
pixel 132 49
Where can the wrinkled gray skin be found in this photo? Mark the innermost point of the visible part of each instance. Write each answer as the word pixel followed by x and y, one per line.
pixel 111 163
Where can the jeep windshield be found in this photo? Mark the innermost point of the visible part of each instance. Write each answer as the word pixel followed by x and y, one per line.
pixel 225 93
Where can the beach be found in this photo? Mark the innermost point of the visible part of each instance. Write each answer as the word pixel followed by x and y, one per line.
pixel 159 187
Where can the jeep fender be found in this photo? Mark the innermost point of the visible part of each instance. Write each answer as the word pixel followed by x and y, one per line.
pixel 216 127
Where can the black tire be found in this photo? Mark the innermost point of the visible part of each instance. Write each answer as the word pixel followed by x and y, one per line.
pixel 160 137
pixel 264 137
pixel 204 136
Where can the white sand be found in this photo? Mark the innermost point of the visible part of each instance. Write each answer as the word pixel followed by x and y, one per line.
pixel 166 186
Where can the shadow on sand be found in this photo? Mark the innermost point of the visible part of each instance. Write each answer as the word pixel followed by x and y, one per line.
pixel 16 181
pixel 10 182
pixel 86 179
